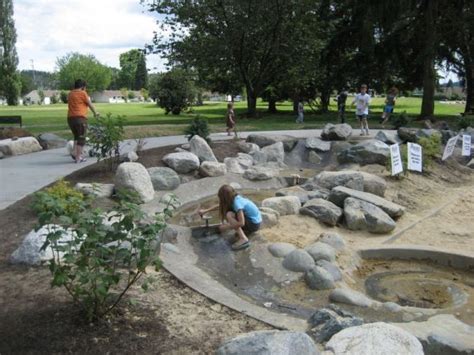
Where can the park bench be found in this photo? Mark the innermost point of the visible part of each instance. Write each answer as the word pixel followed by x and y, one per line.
pixel 11 120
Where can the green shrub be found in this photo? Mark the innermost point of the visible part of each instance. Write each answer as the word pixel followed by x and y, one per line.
pixel 175 91
pixel 465 121
pixel 63 96
pixel 54 99
pixel 105 134
pixel 198 127
pixel 431 149
pixel 107 254
pixel 400 120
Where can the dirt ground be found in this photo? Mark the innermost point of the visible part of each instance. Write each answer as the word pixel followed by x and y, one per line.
pixel 169 319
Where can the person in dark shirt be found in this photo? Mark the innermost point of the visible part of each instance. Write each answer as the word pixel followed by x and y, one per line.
pixel 341 104
pixel 389 105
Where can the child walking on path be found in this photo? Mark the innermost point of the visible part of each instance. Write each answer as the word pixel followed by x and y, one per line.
pixel 341 104
pixel 389 105
pixel 300 118
pixel 230 119
pixel 241 215
pixel 362 101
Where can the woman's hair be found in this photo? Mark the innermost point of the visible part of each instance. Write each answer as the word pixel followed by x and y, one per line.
pixel 226 196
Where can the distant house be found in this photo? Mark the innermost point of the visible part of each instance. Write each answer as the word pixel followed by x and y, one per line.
pixel 115 96
pixel 33 97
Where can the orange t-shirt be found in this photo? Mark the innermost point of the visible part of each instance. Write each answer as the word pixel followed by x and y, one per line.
pixel 77 102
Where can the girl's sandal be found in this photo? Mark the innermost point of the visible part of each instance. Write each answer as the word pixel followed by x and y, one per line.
pixel 241 246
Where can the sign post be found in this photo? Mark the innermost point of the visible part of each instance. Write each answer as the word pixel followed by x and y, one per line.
pixel 397 165
pixel 466 145
pixel 415 157
pixel 449 149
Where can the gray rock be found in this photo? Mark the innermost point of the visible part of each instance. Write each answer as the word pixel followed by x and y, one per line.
pixel 164 178
pixel 280 250
pixel 361 215
pixel 95 189
pixel 259 157
pixel 317 144
pixel 324 323
pixel 321 251
pixel 388 137
pixel 201 149
pixel 470 164
pixel 289 142
pixel 233 166
pixel 134 177
pixel 69 147
pixel 374 184
pixel 374 339
pixel 446 135
pixel 442 334
pixel 20 146
pixel 298 260
pixel 340 193
pixel 180 150
pixel 285 205
pixel 130 156
pixel 2 155
pixel 348 178
pixel 29 252
pixel 407 134
pixel 339 146
pixel 259 173
pixel 333 239
pixel 322 210
pixel 169 235
pixel 366 152
pixel 352 297
pixel 314 157
pixel 318 278
pixel 210 168
pixel 427 133
pixel 245 160
pixel 274 152
pixel 331 268
pixel 338 132
pixel 171 248
pixel 248 147
pixel 51 141
pixel 186 146
pixel 274 342
pixel 270 217
pixel 299 192
pixel 182 163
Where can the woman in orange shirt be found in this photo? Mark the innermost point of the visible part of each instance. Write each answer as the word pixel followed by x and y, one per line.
pixel 78 103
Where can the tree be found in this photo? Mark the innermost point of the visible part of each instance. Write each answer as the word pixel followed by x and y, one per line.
pixel 75 66
pixel 133 73
pixel 27 84
pixel 10 82
pixel 175 91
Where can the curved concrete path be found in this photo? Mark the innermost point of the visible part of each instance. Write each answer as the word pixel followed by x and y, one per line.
pixel 25 174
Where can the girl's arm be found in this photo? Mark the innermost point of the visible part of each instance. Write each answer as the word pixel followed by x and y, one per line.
pixel 203 211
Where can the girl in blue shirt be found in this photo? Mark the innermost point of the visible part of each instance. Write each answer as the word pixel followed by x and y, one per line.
pixel 241 214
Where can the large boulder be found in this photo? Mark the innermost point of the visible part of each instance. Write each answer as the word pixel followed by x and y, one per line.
pixel 280 250
pixel 259 173
pixel 285 205
pixel 29 252
pixel 182 162
pixel 210 168
pixel 325 322
pixel 258 157
pixel 374 184
pixel 270 217
pixel 164 178
pixel 361 215
pixel 134 177
pixel 349 178
pixel 338 132
pixel 274 342
pixel 19 146
pixel 245 160
pixel 96 189
pixel 317 144
pixel 388 137
pixel 201 149
pixel 51 141
pixel 247 147
pixel 374 339
pixel 298 260
pixel 324 211
pixel 289 142
pixel 301 193
pixel 318 278
pixel 427 133
pixel 407 134
pixel 321 251
pixel 340 193
pixel 274 152
pixel 366 152
pixel 233 166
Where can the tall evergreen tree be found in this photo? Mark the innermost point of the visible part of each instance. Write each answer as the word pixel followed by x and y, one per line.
pixel 10 83
pixel 133 73
pixel 141 74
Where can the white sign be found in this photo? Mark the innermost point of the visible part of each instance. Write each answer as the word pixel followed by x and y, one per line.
pixel 415 157
pixel 449 149
pixel 397 165
pixel 466 145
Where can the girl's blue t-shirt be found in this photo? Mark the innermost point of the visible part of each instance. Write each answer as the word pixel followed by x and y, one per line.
pixel 251 211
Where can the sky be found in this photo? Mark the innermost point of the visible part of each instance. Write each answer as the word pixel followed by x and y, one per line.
pixel 49 29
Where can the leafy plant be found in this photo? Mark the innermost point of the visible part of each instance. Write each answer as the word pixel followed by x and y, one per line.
pixel 465 121
pixel 431 149
pixel 400 120
pixel 175 91
pixel 63 96
pixel 105 136
pixel 106 252
pixel 198 127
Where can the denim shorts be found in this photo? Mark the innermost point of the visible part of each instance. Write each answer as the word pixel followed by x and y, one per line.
pixel 388 109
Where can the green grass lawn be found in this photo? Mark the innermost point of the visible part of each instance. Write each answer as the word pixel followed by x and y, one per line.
pixel 144 120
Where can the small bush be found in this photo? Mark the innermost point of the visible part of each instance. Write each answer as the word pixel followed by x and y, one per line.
pixel 400 120
pixel 198 127
pixel 105 135
pixel 54 99
pixel 63 96
pixel 107 254
pixel 175 91
pixel 465 121
pixel 431 149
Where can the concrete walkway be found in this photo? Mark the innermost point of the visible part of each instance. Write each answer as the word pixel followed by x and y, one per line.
pixel 25 174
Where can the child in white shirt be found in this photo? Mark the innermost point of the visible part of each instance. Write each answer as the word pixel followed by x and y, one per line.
pixel 362 101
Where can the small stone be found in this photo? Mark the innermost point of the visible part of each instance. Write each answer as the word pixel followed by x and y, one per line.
pixel 280 250
pixel 182 163
pixel 212 169
pixel 259 173
pixel 285 205
pixel 317 144
pixel 333 239
pixel 164 178
pixel 318 278
pixel 314 158
pixel 352 297
pixel 275 152
pixel 331 268
pixel 338 132
pixel 322 210
pixel 298 260
pixel 321 251
pixel 95 189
